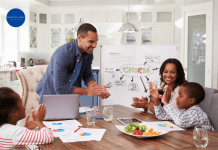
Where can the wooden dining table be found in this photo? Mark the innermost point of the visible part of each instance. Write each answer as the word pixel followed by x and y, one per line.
pixel 114 139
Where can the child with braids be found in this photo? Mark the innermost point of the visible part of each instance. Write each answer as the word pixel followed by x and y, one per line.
pixel 11 111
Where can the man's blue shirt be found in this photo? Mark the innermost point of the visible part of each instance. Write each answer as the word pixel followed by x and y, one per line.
pixel 61 70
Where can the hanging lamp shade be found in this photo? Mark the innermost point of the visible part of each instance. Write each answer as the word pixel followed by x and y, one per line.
pixel 81 21
pixel 128 26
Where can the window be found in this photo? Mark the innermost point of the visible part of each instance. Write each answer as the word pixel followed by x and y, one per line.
pixel 8 39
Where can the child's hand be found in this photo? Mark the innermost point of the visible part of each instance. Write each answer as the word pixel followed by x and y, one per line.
pixel 154 93
pixel 166 96
pixel 39 115
pixel 30 124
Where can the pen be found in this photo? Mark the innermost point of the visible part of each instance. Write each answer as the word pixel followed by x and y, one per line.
pixel 77 129
pixel 99 117
pixel 165 125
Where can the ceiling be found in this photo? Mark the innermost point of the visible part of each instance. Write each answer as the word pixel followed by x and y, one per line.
pixel 89 2
pixel 110 2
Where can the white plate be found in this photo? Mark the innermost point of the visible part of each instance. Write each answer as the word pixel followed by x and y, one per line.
pixel 121 128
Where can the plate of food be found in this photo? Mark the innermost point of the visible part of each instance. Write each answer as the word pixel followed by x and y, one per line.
pixel 140 130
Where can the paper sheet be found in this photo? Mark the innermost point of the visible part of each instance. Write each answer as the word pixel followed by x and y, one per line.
pixel 62 127
pixel 84 134
pixel 82 109
pixel 155 125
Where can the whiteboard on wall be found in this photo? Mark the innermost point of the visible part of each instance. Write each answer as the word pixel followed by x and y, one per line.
pixel 129 68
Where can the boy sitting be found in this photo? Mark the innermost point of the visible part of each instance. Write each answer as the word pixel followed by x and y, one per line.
pixel 190 95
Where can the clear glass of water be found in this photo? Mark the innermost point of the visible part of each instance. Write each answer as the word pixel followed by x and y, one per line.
pixel 90 114
pixel 200 136
pixel 108 113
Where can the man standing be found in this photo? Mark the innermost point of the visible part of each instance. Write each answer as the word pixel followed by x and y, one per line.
pixel 71 63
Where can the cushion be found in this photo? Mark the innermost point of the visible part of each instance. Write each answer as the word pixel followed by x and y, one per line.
pixel 205 104
pixel 213 112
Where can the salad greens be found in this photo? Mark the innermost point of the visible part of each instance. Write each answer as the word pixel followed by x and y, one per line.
pixel 133 126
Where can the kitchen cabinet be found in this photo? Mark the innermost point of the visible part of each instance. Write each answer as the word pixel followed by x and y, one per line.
pixel 43 19
pixel 164 16
pixel 27 33
pixel 55 19
pixel 62 18
pixel 115 16
pixel 87 100
pixel 155 27
pixel 147 17
pixel 43 39
pixel 69 34
pixel 146 34
pixel 164 34
pixel 56 35
pixel 33 17
pixel 33 37
pixel 100 16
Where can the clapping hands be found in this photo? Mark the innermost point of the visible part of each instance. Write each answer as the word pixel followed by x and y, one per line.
pixel 154 93
pixel 167 95
pixel 140 103
pixel 30 124
pixel 104 94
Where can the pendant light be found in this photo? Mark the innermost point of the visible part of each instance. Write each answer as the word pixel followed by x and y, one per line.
pixel 81 20
pixel 128 26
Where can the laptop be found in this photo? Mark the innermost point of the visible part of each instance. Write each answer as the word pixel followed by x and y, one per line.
pixel 61 106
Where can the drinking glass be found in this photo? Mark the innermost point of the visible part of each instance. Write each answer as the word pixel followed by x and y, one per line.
pixel 200 136
pixel 90 114
pixel 108 113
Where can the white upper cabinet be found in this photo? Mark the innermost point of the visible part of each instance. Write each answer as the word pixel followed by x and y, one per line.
pixel 99 16
pixel 164 16
pixel 56 18
pixel 33 17
pixel 33 37
pixel 42 38
pixel 147 17
pixel 69 18
pixel 132 16
pixel 43 18
pixel 115 16
pixel 164 34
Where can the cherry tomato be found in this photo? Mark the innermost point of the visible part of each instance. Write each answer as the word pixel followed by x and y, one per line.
pixel 137 132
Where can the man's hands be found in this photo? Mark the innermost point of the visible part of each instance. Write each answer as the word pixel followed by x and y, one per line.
pixel 30 124
pixel 154 93
pixel 105 93
pixel 94 89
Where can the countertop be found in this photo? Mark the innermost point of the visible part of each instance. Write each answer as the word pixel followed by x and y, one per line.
pixel 19 68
